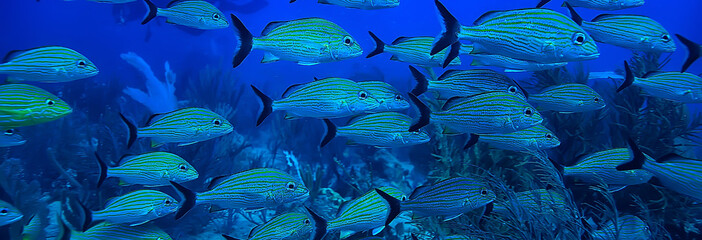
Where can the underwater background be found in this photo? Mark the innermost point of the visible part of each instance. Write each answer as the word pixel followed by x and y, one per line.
pixel 57 162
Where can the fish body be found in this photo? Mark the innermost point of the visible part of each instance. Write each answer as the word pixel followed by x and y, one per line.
pixel 389 98
pixel 675 86
pixel 110 231
pixel 463 83
pixel 367 212
pixel 255 188
pixel 136 208
pixel 190 13
pixel 184 126
pixel 26 105
pixel 538 35
pixel 10 139
pixel 9 214
pixel 508 63
pixel 324 98
pixel 361 4
pixel 534 140
pixel 627 227
pixel 568 98
pixel 633 32
pixel 414 50
pixel 288 226
pixel 674 172
pixel 608 5
pixel 385 129
pixel 150 169
pixel 51 64
pixel 306 41
pixel 602 167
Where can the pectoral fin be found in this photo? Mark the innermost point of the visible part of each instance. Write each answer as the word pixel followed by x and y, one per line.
pixel 378 230
pixel 139 223
pixel 269 58
pixel 188 143
pixel 307 63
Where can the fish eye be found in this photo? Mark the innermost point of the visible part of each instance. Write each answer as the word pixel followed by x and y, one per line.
pixel 215 16
pixel 596 99
pixel 82 63
pixel 398 97
pixel 348 41
pixel 50 102
pixel 403 198
pixel 362 95
pixel 4 211
pixel 168 201
pixel 291 186
pixel 579 38
pixel 666 38
pixel 512 89
pixel 182 167
pixel 307 222
pixel 549 136
pixel 217 122
pixel 9 132
pixel 484 191
pixel 528 112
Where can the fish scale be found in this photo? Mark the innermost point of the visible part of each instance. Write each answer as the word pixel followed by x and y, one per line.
pixel 534 140
pixel 136 207
pixel 51 64
pixel 385 129
pixel 571 97
pixel 151 169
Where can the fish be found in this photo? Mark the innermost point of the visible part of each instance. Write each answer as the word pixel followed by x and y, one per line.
pixel 24 105
pixel 450 198
pixel 323 98
pixel 255 188
pixel 361 4
pixel 190 13
pixel 49 64
pixel 635 32
pixel 10 139
pixel 534 140
pixel 607 5
pixel 489 112
pixel 135 208
pixel 508 63
pixel 627 227
pixel 110 231
pixel 463 83
pixel 9 214
pixel 568 98
pixel 415 50
pixel 149 169
pixel 389 98
pixel 306 41
pixel 385 129
pixel 675 86
pixel 693 51
pixel 185 126
pixel 535 34
pixel 289 226
pixel 602 167
pixel 673 171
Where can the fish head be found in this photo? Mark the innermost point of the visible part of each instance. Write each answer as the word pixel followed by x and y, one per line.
pixel 298 224
pixel 215 20
pixel 10 138
pixel 9 214
pixel 289 189
pixel 183 172
pixel 480 195
pixel 213 124
pixel 661 42
pixel 579 47
pixel 516 90
pixel 593 101
pixel 549 140
pixel 166 205
pixel 79 66
pixel 396 102
pixel 360 100
pixel 527 117
pixel 49 107
pixel 413 138
pixel 344 46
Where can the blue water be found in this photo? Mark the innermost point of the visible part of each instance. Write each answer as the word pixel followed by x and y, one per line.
pixel 103 31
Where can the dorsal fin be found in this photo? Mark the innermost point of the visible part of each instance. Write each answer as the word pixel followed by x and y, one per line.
pixel 292 88
pixel 342 207
pixel 650 74
pixel 487 16
pixel 12 54
pixel 418 190
pixel 606 16
pixel 174 2
pixel 272 25
pixel 253 230
pixel 215 181
pixel 151 118
pixel 355 118
pixel 451 101
pixel 446 74
pixel 400 40
pixel 124 157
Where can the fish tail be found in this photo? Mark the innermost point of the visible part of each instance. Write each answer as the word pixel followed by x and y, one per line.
pixel 472 141
pixel 395 206
pixel 331 133
pixel 422 82
pixel 103 170
pixel 189 199
pixel 449 33
pixel 424 114
pixel 573 14
pixel 228 237
pixel 693 51
pixel 638 158
pixel 628 79
pixel 244 40
pixel 320 225
pixel 150 13
pixel 379 45
pixel 452 54
pixel 542 3
pixel 267 108
pixel 132 131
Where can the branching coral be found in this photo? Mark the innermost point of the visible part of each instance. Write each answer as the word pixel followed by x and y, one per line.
pixel 160 96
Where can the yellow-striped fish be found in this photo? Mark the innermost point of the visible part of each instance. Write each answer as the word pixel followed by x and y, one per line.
pixel 385 129
pixel 110 231
pixel 367 212
pixel 288 226
pixel 463 83
pixel 539 35
pixel 149 169
pixel 534 140
pixel 415 50
pixel 568 98
pixel 323 98
pixel 10 139
pixel 508 63
pixel 389 98
pixel 9 214
pixel 675 86
pixel 25 105
pixel 50 64
pixel 633 32
pixel 184 126
pixel 608 5
pixel 255 188
pixel 135 208
pixel 306 41
pixel 489 112
pixel 628 227
pixel 674 172
pixel 190 13
pixel 361 4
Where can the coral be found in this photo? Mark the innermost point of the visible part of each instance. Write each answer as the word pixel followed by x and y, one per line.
pixel 160 96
